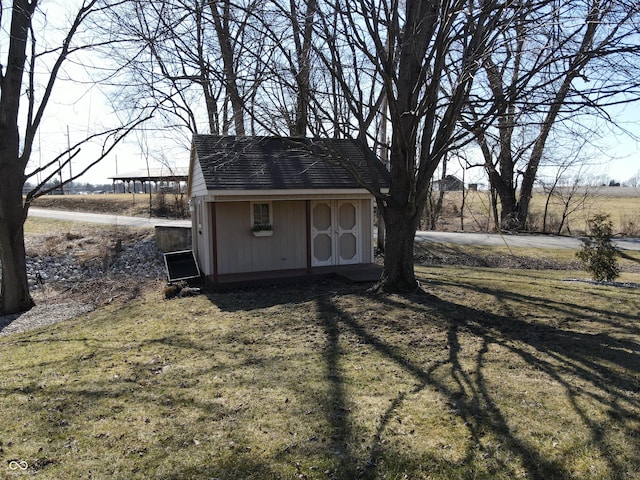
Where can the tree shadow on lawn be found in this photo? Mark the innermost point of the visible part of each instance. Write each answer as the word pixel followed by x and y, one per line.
pixel 600 367
pixel 478 411
pixel 606 369
pixel 128 393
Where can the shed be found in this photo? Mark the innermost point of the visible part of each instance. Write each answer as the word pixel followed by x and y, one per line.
pixel 271 207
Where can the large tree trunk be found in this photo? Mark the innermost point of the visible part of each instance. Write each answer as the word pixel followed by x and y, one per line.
pixel 221 23
pixel 398 275
pixel 509 210
pixel 403 209
pixel 14 288
pixel 14 291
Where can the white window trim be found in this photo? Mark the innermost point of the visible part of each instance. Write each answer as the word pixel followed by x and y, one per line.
pixel 270 206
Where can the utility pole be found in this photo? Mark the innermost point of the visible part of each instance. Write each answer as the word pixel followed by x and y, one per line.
pixel 114 181
pixel 60 174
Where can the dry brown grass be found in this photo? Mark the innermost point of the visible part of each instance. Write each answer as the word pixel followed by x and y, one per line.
pixel 85 240
pixel 434 254
pixel 490 373
pixel 120 204
pixel 623 204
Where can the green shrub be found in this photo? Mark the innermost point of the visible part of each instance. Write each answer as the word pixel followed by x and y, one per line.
pixel 598 254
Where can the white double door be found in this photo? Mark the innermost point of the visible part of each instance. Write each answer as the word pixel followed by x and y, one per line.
pixel 335 233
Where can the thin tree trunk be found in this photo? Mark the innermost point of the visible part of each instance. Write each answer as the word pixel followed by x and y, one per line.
pixel 384 158
pixel 221 23
pixel 464 199
pixel 546 210
pixel 494 209
pixel 436 207
pixel 210 100
pixel 380 238
pixel 582 56
pixel 302 38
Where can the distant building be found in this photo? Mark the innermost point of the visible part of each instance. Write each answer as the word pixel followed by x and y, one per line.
pixel 156 179
pixel 449 184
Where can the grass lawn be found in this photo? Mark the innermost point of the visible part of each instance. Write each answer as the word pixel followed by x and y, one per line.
pixel 491 373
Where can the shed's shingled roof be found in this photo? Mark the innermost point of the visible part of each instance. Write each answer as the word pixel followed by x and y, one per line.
pixel 276 163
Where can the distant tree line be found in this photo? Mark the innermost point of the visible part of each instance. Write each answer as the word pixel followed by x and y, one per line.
pixel 56 188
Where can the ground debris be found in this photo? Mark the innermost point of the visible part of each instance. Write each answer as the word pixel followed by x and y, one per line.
pixel 180 290
pixel 71 273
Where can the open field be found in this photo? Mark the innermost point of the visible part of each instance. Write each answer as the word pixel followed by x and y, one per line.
pixel 622 204
pixel 493 373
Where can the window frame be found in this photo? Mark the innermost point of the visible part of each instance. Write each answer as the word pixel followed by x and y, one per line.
pixel 269 212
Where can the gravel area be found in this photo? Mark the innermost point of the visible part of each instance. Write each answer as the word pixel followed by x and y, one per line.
pixel 75 274
pixel 138 258
pixel 41 315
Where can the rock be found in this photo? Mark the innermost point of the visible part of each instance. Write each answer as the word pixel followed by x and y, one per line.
pixel 170 290
pixel 141 258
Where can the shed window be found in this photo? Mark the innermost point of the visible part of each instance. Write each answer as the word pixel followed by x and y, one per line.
pixel 261 213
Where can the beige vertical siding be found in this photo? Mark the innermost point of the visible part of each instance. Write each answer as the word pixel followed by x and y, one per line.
pixel 366 232
pixel 197 186
pixel 239 251
pixel 200 234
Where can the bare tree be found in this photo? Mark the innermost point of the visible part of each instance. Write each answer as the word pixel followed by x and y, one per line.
pixel 170 60
pixel 411 63
pixel 195 60
pixel 634 181
pixel 334 63
pixel 509 71
pixel 569 191
pixel 221 11
pixel 283 74
pixel 559 62
pixel 435 199
pixel 421 58
pixel 290 33
pixel 21 116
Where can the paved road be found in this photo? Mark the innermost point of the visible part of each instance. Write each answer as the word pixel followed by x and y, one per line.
pixel 532 241
pixel 106 219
